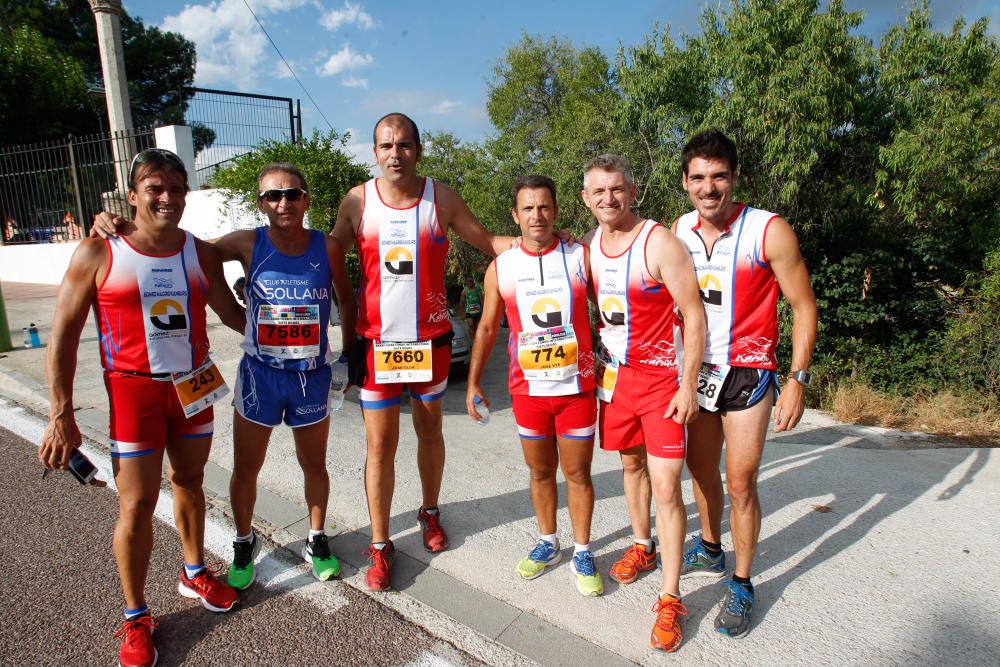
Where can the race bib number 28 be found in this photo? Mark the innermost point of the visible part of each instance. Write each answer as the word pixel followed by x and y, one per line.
pixel 710 380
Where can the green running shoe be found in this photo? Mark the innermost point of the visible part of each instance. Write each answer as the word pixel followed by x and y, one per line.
pixel 241 572
pixel 317 553
pixel 588 579
pixel 545 554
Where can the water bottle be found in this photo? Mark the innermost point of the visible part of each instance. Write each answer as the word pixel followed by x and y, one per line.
pixel 482 411
pixel 27 338
pixel 36 341
pixel 338 383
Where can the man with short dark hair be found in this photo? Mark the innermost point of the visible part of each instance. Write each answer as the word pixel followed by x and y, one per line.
pixel 643 279
pixel 399 222
pixel 543 285
pixel 744 258
pixel 149 288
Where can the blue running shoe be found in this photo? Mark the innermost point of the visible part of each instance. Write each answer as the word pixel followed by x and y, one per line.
pixel 697 563
pixel 733 619
pixel 588 579
pixel 545 554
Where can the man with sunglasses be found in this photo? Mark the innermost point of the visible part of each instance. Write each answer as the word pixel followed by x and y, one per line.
pixel 399 223
pixel 148 288
pixel 285 371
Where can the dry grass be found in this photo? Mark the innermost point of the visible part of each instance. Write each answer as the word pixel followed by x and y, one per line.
pixel 945 413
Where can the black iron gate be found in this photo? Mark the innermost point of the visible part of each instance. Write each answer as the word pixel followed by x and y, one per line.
pixel 236 123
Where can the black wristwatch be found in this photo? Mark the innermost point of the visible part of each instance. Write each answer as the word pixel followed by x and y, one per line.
pixel 804 378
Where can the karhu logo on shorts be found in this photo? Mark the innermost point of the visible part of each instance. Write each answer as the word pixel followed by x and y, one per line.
pixel 167 315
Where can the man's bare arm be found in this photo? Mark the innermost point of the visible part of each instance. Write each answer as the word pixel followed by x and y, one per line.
pixel 486 336
pixel 73 303
pixel 349 217
pixel 346 300
pixel 782 252
pixel 457 216
pixel 668 257
pixel 220 297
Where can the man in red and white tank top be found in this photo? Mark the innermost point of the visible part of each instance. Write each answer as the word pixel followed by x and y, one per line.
pixel 399 223
pixel 743 257
pixel 642 277
pixel 543 284
pixel 148 288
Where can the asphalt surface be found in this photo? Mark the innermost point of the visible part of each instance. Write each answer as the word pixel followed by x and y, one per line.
pixel 62 601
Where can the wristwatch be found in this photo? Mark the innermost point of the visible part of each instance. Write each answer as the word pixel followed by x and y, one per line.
pixel 802 377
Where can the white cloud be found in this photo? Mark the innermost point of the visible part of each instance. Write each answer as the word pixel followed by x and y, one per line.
pixel 350 14
pixel 344 60
pixel 353 82
pixel 281 72
pixel 444 107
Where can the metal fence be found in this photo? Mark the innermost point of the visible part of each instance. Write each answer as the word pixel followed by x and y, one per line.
pixel 240 122
pixel 50 191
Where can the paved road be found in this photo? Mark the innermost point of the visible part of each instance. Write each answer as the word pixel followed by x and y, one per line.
pixel 62 601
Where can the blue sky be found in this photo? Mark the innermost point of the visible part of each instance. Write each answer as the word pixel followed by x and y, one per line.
pixel 431 60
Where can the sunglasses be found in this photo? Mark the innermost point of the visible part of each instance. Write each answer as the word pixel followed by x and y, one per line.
pixel 291 194
pixel 142 157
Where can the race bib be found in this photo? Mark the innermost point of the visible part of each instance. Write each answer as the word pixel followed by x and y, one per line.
pixel 288 332
pixel 473 309
pixel 403 362
pixel 606 374
pixel 710 379
pixel 547 354
pixel 200 388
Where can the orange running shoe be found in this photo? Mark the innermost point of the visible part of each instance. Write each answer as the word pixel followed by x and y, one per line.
pixel 379 577
pixel 635 560
pixel 215 595
pixel 433 534
pixel 666 634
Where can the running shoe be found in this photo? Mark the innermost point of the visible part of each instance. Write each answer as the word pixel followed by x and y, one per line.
pixel 545 554
pixel 634 561
pixel 215 595
pixel 316 552
pixel 588 579
pixel 434 536
pixel 378 577
pixel 666 634
pixel 733 619
pixel 242 572
pixel 697 563
pixel 137 642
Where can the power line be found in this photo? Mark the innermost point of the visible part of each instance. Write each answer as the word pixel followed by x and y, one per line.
pixel 294 75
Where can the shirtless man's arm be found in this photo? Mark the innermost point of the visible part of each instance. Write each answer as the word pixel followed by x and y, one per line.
pixel 346 300
pixel 220 297
pixel 486 336
pixel 455 213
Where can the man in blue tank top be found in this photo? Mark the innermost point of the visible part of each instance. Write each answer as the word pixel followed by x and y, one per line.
pixel 285 371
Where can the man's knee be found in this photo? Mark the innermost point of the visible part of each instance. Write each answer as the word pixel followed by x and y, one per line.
pixel 137 508
pixel 635 464
pixel 542 473
pixel 742 488
pixel 578 473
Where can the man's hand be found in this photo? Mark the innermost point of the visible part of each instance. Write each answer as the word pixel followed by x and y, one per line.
pixel 471 393
pixel 61 437
pixel 106 225
pixel 790 406
pixel 683 407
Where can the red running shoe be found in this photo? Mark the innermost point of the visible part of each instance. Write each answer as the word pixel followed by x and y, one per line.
pixel 137 642
pixel 434 536
pixel 378 577
pixel 633 562
pixel 666 634
pixel 214 594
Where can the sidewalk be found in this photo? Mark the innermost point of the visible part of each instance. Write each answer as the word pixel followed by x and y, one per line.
pixel 861 582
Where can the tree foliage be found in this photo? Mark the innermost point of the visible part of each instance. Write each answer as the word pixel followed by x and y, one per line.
pixel 883 156
pixel 159 66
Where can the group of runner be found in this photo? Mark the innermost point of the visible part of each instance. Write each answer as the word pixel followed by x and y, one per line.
pixel 149 283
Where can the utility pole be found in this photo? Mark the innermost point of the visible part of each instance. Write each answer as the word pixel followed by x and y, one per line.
pixel 109 40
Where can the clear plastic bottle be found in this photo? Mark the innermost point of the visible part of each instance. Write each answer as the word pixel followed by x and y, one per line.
pixel 338 383
pixel 482 411
pixel 27 338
